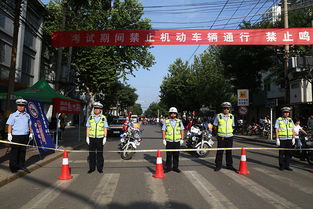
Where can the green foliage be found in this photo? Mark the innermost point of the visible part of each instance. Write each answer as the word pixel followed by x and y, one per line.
pixel 155 108
pixel 135 109
pixel 99 68
pixel 189 87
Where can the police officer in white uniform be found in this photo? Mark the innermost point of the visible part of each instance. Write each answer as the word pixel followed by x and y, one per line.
pixel 19 131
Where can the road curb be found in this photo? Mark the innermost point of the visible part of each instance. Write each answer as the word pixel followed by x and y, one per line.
pixel 34 167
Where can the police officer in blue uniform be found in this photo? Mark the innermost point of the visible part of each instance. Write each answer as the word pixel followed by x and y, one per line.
pixel 19 131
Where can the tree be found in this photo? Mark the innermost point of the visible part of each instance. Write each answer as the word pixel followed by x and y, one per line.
pixel 156 109
pixel 135 109
pixel 100 68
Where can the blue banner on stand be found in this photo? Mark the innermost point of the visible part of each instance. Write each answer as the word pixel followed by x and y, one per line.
pixel 40 125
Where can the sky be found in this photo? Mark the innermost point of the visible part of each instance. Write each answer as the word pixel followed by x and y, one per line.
pixel 188 14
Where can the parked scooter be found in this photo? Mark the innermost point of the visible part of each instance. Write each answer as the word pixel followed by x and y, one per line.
pixel 130 140
pixel 305 142
pixel 199 137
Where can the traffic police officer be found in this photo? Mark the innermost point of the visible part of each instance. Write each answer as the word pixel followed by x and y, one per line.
pixel 172 135
pixel 285 137
pixel 224 123
pixel 96 137
pixel 19 131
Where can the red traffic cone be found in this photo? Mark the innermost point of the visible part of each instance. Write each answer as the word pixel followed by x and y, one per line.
pixel 243 169
pixel 159 172
pixel 65 170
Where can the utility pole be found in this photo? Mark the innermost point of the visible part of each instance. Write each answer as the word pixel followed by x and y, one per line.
pixel 286 56
pixel 17 13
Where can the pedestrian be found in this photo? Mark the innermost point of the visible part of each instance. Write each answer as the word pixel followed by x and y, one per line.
pixel 310 124
pixel 19 131
pixel 173 138
pixel 96 133
pixel 297 129
pixel 285 137
pixel 224 123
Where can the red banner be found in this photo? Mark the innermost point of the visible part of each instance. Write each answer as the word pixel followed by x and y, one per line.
pixel 66 106
pixel 272 36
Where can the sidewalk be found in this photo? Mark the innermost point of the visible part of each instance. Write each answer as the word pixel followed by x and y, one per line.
pixel 33 160
pixel 257 138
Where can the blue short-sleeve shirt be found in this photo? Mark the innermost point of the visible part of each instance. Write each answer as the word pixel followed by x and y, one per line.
pixel 97 119
pixel 20 123
pixel 173 123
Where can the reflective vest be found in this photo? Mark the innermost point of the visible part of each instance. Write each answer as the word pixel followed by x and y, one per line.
pixel 225 127
pixel 284 130
pixel 172 134
pixel 96 130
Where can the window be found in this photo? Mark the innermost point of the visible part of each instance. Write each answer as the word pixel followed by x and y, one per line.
pixel 29 39
pixel 2 52
pixel 27 69
pixel 2 20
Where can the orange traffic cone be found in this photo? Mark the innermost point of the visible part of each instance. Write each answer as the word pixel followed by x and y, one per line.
pixel 159 172
pixel 243 169
pixel 65 170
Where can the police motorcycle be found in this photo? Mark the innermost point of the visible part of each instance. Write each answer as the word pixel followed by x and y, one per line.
pixel 305 142
pixel 130 140
pixel 199 137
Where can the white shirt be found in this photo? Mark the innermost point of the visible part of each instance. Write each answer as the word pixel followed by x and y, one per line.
pixel 297 129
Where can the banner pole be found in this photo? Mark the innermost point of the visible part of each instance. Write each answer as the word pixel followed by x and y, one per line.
pixel 57 133
pixel 79 127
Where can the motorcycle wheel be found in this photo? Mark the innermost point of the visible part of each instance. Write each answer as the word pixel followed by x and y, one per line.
pixel 202 154
pixel 310 157
pixel 127 155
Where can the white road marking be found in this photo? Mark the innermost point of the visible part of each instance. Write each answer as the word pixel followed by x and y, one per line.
pixel 44 198
pixel 157 191
pixel 208 191
pixel 104 193
pixel 139 160
pixel 290 182
pixel 269 196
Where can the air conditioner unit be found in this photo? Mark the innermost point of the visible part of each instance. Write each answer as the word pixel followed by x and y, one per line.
pixel 300 91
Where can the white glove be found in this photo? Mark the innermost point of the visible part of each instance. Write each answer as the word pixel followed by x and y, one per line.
pixel 293 141
pixel 164 142
pixel 277 142
pixel 10 137
pixel 181 142
pixel 104 140
pixel 87 140
pixel 31 135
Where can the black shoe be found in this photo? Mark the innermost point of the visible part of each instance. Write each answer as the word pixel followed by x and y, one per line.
pixel 177 170
pixel 25 169
pixel 13 171
pixel 281 168
pixel 231 168
pixel 288 169
pixel 217 168
pixel 100 171
pixel 302 159
pixel 90 171
pixel 166 170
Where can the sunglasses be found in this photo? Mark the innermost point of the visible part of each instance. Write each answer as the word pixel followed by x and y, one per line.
pixel 226 108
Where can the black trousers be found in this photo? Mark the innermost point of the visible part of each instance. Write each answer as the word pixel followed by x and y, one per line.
pixel 285 155
pixel 96 153
pixel 174 155
pixel 18 153
pixel 224 143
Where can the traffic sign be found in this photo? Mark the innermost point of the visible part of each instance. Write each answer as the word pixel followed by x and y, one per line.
pixel 243 110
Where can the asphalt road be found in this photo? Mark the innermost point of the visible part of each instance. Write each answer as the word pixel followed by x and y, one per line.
pixel 129 184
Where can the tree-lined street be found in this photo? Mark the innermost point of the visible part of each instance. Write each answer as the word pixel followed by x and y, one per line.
pixel 129 184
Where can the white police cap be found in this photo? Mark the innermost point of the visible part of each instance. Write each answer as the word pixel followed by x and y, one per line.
pixel 21 102
pixel 97 105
